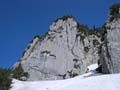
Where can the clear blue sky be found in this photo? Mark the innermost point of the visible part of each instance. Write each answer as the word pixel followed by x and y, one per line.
pixel 21 20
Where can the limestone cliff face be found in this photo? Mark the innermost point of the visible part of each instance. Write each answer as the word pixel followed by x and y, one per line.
pixel 110 56
pixel 110 60
pixel 64 52
pixel 69 47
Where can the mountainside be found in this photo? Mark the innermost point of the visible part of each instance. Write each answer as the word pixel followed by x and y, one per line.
pixel 69 47
pixel 65 51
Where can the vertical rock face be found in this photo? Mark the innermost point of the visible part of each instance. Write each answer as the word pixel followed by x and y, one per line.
pixel 111 51
pixel 110 57
pixel 64 52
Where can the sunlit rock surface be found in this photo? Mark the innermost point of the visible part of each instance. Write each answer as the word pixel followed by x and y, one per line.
pixel 64 52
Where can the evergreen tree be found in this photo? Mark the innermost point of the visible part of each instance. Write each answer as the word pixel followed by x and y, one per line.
pixel 5 80
pixel 114 11
pixel 18 73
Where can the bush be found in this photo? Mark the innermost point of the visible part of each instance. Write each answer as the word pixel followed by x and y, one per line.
pixel 5 80
pixel 64 18
pixel 114 11
pixel 84 31
pixel 19 73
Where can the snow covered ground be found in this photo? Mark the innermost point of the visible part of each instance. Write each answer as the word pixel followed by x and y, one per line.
pixel 92 67
pixel 102 82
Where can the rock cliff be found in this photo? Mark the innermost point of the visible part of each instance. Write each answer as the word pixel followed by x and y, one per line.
pixel 68 48
pixel 111 50
pixel 65 51
pixel 110 56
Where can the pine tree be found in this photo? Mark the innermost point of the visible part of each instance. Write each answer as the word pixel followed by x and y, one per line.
pixel 5 80
pixel 18 73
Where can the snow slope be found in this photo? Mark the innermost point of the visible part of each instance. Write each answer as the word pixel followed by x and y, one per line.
pixel 102 82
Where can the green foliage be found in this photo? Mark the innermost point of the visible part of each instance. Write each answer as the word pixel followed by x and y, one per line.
pixel 84 31
pixel 5 80
pixel 37 36
pixel 106 27
pixel 114 11
pixel 18 73
pixel 64 18
pixel 7 74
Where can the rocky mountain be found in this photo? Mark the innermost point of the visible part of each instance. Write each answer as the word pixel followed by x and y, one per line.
pixel 69 47
pixel 65 51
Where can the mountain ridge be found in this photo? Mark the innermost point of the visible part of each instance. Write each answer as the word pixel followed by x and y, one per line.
pixel 68 48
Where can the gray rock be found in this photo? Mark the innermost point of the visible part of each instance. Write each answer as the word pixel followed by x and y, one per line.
pixel 60 54
pixel 110 58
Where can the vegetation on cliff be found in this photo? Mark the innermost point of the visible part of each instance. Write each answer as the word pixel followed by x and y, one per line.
pixel 19 73
pixel 5 79
pixel 115 11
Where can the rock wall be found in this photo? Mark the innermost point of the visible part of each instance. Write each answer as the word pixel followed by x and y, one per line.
pixel 69 47
pixel 110 56
pixel 111 50
pixel 64 52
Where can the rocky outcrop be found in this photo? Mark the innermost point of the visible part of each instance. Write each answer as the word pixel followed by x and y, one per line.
pixel 68 48
pixel 111 50
pixel 64 52
pixel 110 56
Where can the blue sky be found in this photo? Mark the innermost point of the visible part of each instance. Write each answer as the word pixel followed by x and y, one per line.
pixel 21 20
